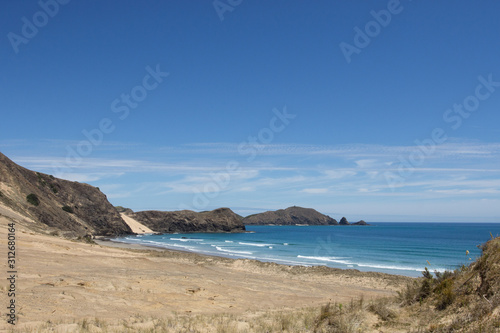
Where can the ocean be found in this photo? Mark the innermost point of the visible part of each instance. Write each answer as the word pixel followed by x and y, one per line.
pixel 395 248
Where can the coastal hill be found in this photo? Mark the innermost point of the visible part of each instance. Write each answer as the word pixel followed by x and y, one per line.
pixel 218 220
pixel 55 205
pixel 295 216
pixel 290 216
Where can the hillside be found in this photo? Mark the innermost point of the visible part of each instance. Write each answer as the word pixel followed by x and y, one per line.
pixel 290 216
pixel 218 220
pixel 464 300
pixel 74 209
pixel 56 205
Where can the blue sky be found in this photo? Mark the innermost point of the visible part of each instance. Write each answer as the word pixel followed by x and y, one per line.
pixel 383 111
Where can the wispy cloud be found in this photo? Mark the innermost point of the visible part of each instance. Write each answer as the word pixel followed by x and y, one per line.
pixel 285 173
pixel 315 190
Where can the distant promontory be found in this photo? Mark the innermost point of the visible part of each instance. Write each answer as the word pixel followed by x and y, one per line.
pixel 295 216
pixel 184 221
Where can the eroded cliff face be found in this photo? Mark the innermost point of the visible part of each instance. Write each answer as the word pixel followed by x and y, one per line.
pixel 184 221
pixel 71 208
pixel 290 216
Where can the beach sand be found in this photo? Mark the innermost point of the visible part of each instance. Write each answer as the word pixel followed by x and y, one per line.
pixel 64 281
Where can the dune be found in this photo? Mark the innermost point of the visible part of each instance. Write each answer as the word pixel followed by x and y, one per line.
pixel 136 226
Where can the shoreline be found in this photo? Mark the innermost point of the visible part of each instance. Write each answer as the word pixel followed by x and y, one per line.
pixel 107 241
pixel 197 256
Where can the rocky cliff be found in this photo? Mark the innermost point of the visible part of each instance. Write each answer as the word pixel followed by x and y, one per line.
pixel 343 221
pixel 290 216
pixel 362 222
pixel 218 220
pixel 56 205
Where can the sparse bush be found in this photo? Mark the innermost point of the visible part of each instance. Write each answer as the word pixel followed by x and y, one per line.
pixel 33 199
pixel 85 324
pixel 68 209
pixel 439 288
pixel 54 189
pixel 425 289
pixel 40 179
pixel 340 318
pixel 409 294
pixel 380 307
pixel 445 294
pixel 426 274
pixel 444 275
pixel 87 239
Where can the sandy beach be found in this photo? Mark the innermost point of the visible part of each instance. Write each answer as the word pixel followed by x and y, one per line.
pixel 63 282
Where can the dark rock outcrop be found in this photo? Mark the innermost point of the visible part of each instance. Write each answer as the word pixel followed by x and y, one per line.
pixel 184 221
pixel 124 210
pixel 290 216
pixel 72 208
pixel 343 221
pixel 362 222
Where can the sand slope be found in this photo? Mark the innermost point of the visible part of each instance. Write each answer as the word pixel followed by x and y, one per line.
pixel 136 227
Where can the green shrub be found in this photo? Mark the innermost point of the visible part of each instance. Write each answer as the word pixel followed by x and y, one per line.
pixel 439 288
pixel 68 209
pixel 425 289
pixel 33 199
pixel 53 188
pixel 40 179
pixel 426 274
pixel 445 294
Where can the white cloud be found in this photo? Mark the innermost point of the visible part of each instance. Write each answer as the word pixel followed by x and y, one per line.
pixel 367 163
pixel 338 174
pixel 315 190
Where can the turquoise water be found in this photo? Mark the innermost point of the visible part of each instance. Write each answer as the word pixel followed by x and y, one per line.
pixel 396 248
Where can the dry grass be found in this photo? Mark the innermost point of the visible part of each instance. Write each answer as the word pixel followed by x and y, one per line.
pixel 339 318
pixel 293 321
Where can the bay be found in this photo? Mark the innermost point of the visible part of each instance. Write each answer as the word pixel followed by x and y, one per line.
pixel 395 248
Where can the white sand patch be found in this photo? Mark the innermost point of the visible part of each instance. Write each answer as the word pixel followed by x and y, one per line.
pixel 136 227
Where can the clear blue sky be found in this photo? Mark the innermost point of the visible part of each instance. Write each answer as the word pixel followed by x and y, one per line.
pixel 265 104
